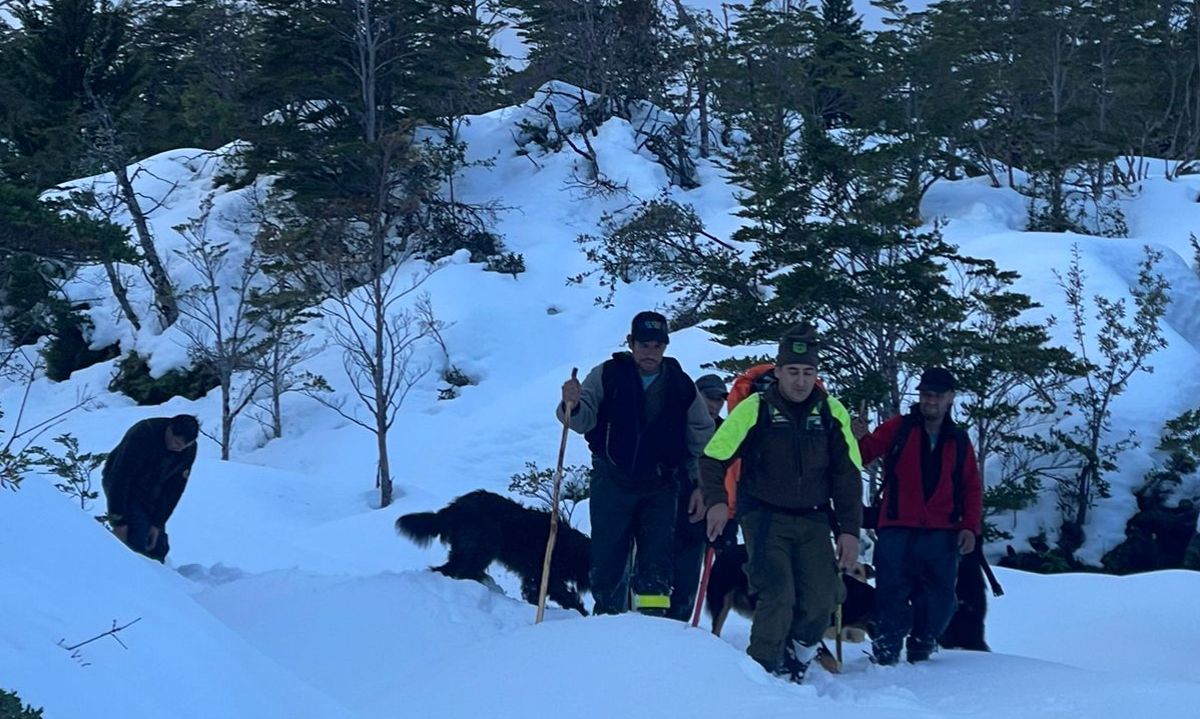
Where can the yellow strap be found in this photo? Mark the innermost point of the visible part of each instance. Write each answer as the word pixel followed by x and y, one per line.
pixel 652 601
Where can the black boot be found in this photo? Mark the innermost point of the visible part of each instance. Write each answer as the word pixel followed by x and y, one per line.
pixel 919 650
pixel 796 659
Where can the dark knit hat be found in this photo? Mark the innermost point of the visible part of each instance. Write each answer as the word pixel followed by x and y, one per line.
pixel 799 345
pixel 936 379
pixel 649 327
pixel 711 385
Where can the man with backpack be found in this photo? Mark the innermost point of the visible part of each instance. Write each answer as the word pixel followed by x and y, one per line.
pixel 930 514
pixel 645 424
pixel 797 455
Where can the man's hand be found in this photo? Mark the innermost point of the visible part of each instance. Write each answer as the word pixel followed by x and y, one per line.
pixel 847 551
pixel 966 541
pixel 572 390
pixel 121 531
pixel 718 517
pixel 152 538
pixel 696 506
pixel 859 428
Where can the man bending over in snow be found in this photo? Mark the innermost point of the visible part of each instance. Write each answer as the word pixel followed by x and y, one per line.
pixel 145 476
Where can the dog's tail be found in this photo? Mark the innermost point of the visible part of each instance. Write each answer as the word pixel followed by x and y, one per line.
pixel 420 527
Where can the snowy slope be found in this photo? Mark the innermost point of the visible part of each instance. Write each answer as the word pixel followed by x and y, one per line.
pixel 66 578
pixel 284 571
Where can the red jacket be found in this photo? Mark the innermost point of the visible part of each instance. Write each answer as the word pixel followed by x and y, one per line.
pixel 913 510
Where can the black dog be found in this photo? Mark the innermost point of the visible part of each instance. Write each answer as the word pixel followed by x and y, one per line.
pixel 965 630
pixel 729 589
pixel 481 528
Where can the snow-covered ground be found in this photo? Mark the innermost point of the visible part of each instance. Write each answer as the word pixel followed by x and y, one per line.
pixel 288 594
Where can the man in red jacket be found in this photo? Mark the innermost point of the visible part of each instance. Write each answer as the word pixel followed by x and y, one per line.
pixel 930 514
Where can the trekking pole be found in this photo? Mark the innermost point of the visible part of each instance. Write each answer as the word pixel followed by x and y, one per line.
pixel 708 562
pixel 558 472
pixel 837 640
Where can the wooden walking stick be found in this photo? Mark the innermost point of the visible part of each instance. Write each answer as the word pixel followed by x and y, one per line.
pixel 708 561
pixel 837 624
pixel 562 451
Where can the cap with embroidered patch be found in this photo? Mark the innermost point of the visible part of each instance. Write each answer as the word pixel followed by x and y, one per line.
pixel 650 327
pixel 799 345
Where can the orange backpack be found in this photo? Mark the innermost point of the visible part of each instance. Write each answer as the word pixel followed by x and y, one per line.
pixel 755 379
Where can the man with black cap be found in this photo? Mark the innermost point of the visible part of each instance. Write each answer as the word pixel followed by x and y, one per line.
pixel 689 515
pixel 714 391
pixel 645 424
pixel 798 456
pixel 931 513
pixel 144 478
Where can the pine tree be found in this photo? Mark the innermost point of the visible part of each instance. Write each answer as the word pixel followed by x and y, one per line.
pixel 203 70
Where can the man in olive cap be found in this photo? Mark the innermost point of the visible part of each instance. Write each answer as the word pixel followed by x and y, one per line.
pixel 797 456
pixel 931 513
pixel 645 424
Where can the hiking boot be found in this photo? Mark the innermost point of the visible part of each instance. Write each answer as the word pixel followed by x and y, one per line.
pixel 919 650
pixel 796 659
pixel 882 655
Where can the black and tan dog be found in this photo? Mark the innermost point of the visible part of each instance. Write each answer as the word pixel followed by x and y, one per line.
pixel 482 527
pixel 729 590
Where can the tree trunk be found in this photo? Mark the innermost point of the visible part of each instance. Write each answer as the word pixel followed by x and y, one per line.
pixel 120 293
pixel 226 418
pixel 276 410
pixel 164 293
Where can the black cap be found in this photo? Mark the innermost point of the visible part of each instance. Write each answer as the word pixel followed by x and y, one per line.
pixel 711 385
pixel 649 327
pixel 936 379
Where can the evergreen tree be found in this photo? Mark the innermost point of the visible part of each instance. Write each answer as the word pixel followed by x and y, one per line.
pixel 203 70
pixel 616 49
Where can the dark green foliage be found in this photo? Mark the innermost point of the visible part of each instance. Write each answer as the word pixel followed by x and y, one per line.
pixel 508 263
pixel 538 484
pixel 617 49
pixel 1180 442
pixel 1042 559
pixel 82 75
pixel 11 707
pixel 1125 344
pixel 134 381
pixel 1156 537
pixel 73 468
pixel 665 241
pixel 68 349
pixel 201 87
pixel 15 462
pixel 55 230
pixel 29 298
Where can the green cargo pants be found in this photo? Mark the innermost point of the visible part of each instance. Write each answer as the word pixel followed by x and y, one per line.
pixel 793 572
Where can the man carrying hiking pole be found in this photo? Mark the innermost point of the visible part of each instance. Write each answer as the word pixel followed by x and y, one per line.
pixel 645 425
